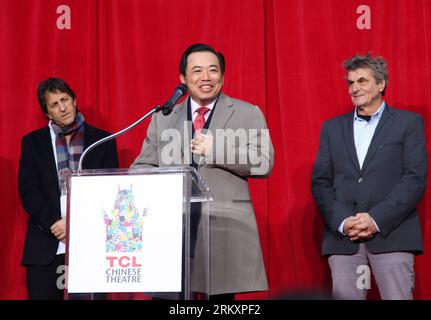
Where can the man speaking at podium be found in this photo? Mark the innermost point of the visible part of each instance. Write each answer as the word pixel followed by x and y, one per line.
pixel 230 144
pixel 44 153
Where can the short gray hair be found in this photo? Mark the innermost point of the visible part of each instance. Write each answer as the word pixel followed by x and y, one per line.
pixel 377 64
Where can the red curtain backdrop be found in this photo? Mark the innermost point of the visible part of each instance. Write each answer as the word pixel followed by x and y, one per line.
pixel 121 58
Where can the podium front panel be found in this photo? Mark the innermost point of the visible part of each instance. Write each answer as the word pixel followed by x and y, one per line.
pixel 142 233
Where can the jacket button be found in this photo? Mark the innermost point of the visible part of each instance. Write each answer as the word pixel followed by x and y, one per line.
pixel 360 180
pixel 355 203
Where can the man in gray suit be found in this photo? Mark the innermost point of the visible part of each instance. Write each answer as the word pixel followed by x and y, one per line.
pixel 369 175
pixel 227 141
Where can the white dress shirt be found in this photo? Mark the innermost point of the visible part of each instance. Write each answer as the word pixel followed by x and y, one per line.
pixel 363 132
pixel 195 106
pixel 61 244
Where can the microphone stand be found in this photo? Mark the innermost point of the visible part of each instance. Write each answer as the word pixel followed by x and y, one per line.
pixel 112 136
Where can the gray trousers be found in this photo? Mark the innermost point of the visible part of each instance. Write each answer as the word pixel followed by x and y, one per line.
pixel 393 273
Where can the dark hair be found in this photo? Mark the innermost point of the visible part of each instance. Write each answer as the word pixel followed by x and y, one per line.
pixel 200 47
pixel 52 85
pixel 377 64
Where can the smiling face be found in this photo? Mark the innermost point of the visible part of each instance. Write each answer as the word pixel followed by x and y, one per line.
pixel 61 108
pixel 365 91
pixel 203 77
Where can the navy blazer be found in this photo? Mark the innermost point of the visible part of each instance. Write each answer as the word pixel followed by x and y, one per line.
pixel 389 185
pixel 39 189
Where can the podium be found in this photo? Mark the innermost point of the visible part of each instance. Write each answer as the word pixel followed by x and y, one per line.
pixel 140 230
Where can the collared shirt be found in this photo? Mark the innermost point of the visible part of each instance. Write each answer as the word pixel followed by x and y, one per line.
pixel 363 132
pixel 195 106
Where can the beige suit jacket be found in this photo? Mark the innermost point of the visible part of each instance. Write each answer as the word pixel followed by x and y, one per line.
pixel 242 149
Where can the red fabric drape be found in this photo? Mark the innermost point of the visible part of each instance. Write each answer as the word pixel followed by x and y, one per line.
pixel 121 58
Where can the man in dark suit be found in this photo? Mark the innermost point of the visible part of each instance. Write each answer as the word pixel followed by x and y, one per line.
pixel 369 175
pixel 44 153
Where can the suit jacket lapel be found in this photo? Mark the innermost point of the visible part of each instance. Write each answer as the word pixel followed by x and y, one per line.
pixel 45 146
pixel 222 113
pixel 88 136
pixel 89 139
pixel 179 122
pixel 349 140
pixel 379 135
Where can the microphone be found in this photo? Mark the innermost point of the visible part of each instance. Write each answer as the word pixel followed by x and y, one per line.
pixel 166 109
pixel 170 104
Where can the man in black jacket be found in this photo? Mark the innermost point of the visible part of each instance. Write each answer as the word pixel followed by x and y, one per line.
pixel 369 175
pixel 44 154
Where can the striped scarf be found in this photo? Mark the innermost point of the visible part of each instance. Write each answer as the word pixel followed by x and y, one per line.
pixel 68 155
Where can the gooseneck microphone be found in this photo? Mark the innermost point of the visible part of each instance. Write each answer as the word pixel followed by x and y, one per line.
pixel 167 108
pixel 170 104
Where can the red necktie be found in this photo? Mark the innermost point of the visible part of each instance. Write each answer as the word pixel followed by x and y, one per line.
pixel 199 122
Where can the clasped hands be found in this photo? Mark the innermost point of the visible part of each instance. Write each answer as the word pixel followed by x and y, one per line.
pixel 201 144
pixel 359 227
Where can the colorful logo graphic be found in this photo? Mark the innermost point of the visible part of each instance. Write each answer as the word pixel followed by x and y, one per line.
pixel 124 224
